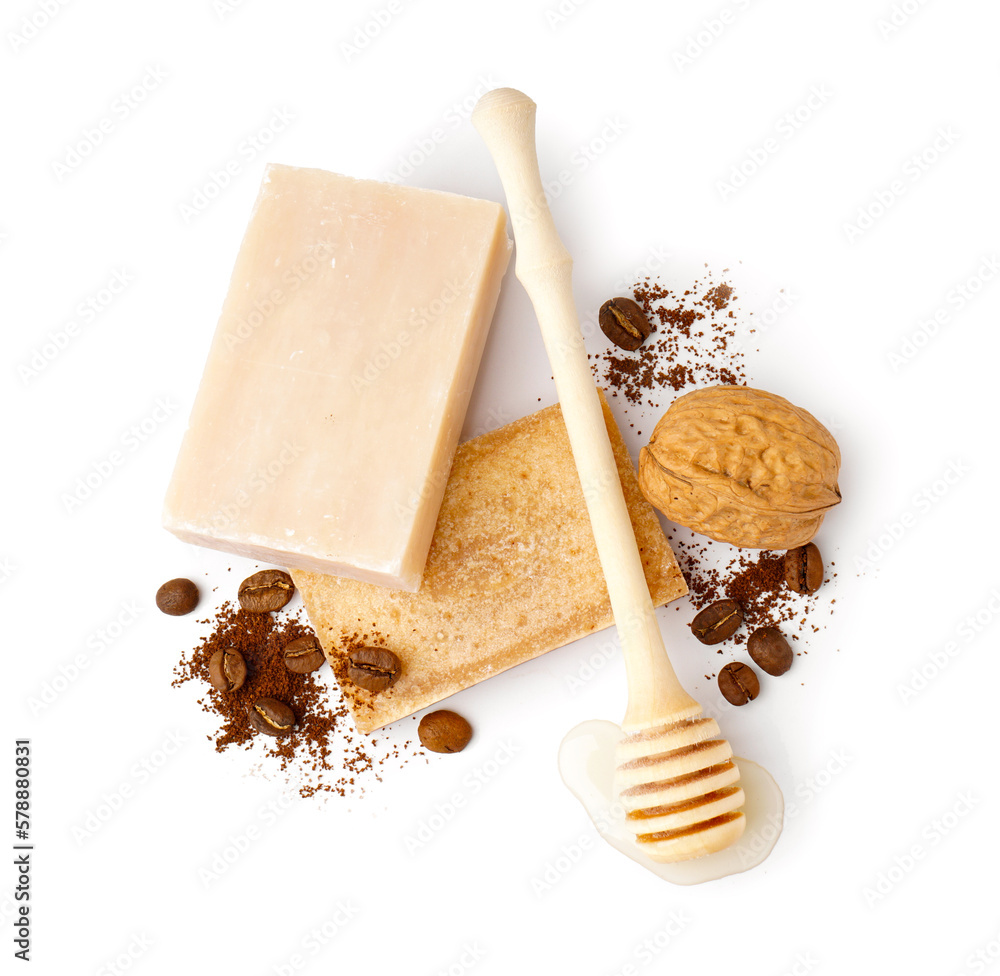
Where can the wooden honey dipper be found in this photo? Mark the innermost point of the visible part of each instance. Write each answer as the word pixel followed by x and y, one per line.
pixel 674 776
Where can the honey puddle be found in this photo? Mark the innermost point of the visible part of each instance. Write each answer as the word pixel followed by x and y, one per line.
pixel 586 764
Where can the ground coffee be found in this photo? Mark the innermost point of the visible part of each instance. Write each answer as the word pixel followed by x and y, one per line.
pixel 324 753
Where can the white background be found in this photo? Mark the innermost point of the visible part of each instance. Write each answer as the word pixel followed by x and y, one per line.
pixel 885 865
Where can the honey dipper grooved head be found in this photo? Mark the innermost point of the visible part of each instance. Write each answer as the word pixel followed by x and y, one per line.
pixel 680 789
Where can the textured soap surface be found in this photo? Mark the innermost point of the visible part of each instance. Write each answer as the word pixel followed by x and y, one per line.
pixel 339 376
pixel 512 573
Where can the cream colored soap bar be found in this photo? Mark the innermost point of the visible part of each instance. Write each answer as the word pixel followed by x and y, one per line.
pixel 337 383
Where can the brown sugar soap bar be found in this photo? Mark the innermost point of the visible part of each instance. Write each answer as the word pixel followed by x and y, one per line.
pixel 338 381
pixel 512 573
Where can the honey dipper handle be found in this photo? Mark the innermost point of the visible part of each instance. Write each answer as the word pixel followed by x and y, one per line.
pixel 505 118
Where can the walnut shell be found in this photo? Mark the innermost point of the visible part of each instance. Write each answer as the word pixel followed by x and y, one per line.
pixel 741 466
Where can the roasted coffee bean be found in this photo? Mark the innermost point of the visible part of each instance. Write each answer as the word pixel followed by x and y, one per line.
pixel 303 655
pixel 272 717
pixel 177 597
pixel 444 731
pixel 268 590
pixel 738 683
pixel 624 323
pixel 717 621
pixel 769 650
pixel 373 668
pixel 804 568
pixel 227 670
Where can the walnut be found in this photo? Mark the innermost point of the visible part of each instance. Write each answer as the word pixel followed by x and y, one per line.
pixel 741 466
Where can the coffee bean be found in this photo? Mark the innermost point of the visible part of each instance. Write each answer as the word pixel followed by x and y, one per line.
pixel 444 731
pixel 373 668
pixel 804 568
pixel 769 650
pixel 227 670
pixel 738 683
pixel 268 590
pixel 624 323
pixel 272 717
pixel 303 655
pixel 177 597
pixel 717 621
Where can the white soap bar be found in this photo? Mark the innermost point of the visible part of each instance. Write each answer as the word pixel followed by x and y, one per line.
pixel 336 386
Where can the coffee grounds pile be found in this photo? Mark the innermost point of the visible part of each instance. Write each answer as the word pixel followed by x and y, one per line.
pixel 755 579
pixel 324 753
pixel 694 344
